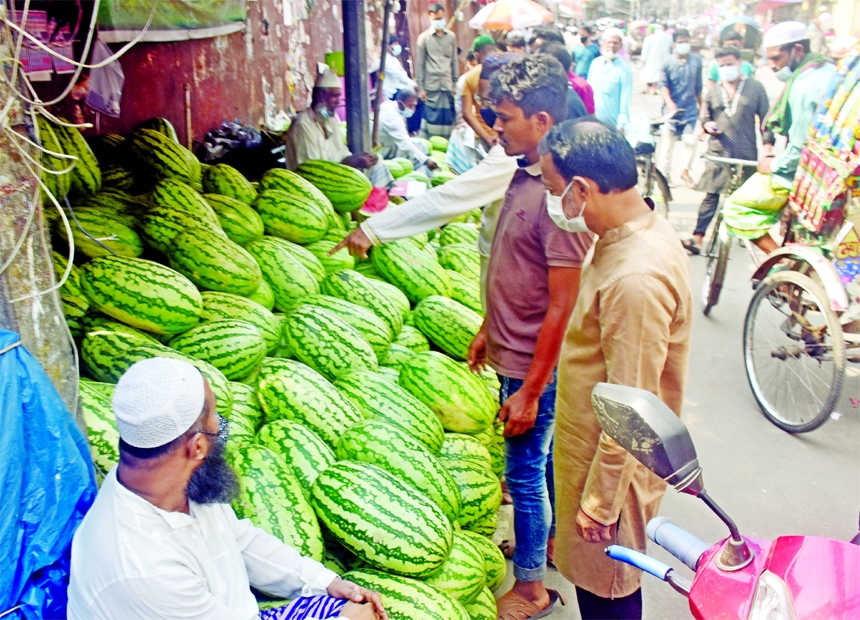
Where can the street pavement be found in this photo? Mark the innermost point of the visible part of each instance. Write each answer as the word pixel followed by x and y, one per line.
pixel 770 482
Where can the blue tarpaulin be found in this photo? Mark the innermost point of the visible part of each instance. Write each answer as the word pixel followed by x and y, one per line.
pixel 48 484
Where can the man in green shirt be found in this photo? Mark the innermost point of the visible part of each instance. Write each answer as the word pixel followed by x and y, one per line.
pixel 732 39
pixel 807 75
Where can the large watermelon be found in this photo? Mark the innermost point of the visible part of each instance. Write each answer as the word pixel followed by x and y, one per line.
pixel 306 454
pixel 334 262
pixel 245 400
pixel 354 287
pixel 409 599
pixel 495 565
pixel 397 452
pixel 411 338
pixel 460 448
pixel 85 177
pixel 306 258
pixel 462 258
pixel 289 279
pixel 480 491
pixel 382 519
pixel 459 398
pixel 448 324
pixel 483 607
pixel 458 232
pixel 411 270
pixel 264 296
pixel 272 499
pixel 290 390
pixel 142 293
pixel 218 306
pixel 102 435
pixel 379 398
pixel 396 356
pixel 466 290
pixel 345 187
pixel 96 233
pixel 462 574
pixel 233 347
pixel 227 181
pixel 291 216
pixel 215 263
pixel 57 184
pixel 161 157
pixel 239 221
pixel 363 320
pixel 290 182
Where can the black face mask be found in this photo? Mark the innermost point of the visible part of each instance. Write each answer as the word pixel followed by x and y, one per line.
pixel 584 40
pixel 489 117
pixel 214 482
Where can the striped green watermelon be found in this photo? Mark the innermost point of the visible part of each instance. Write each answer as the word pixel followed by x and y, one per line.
pixel 495 565
pixel 378 398
pixel 227 181
pixel 391 374
pixel 396 356
pixel 461 448
pixel 95 233
pixel 306 258
pixel 405 163
pixel 363 320
pixel 355 288
pixel 289 390
pixel 102 434
pixel 364 267
pixel 115 201
pixel 345 187
pixel 411 270
pixel 214 263
pixel 290 182
pixel 75 311
pixel 462 574
pixel 72 285
pixel 448 324
pixel 239 221
pixel 108 147
pixel 466 290
pixel 438 143
pixel 118 178
pixel 58 184
pixel 241 428
pixel 233 347
pixel 264 296
pixel 291 216
pixel 394 168
pixel 462 258
pixel 480 490
pixel 245 401
pixel 394 295
pixel 218 306
pixel 161 157
pixel 393 449
pixel 486 525
pixel 85 178
pixel 440 177
pixel 409 599
pixel 272 499
pixel 178 195
pixel 483 607
pixel 337 261
pixel 411 338
pixel 327 343
pixel 128 336
pixel 289 279
pixel 458 232
pixel 306 454
pixel 142 293
pixel 162 126
pixel 458 397
pixel 382 519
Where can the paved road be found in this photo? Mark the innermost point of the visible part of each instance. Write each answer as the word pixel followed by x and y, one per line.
pixel 770 482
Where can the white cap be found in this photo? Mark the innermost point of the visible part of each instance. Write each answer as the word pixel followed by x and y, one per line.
pixel 822 8
pixel 784 33
pixel 157 400
pixel 327 79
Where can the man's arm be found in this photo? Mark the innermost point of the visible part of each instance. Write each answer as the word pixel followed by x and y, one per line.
pixel 664 89
pixel 455 65
pixel 420 53
pixel 395 127
pixel 626 96
pixel 304 146
pixel 520 410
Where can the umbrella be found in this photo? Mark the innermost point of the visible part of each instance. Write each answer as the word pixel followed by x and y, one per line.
pixel 510 15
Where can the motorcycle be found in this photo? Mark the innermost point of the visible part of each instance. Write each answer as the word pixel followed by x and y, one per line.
pixel 790 578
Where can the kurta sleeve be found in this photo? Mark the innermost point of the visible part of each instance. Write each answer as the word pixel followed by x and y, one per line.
pixel 302 142
pixel 455 64
pixel 626 96
pixel 636 315
pixel 420 53
pixel 699 78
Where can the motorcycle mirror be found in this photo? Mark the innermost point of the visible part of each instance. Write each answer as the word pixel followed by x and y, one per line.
pixel 644 426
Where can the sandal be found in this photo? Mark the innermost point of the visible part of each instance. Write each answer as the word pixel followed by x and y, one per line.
pixel 686 178
pixel 507 549
pixel 512 606
pixel 691 247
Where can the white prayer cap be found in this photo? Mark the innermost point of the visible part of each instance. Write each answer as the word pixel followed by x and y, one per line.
pixel 784 33
pixel 822 8
pixel 157 400
pixel 613 32
pixel 327 79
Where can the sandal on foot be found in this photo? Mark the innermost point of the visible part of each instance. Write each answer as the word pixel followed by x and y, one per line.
pixel 691 247
pixel 507 549
pixel 551 565
pixel 512 606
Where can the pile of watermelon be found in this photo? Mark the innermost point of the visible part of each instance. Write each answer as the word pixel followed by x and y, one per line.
pixel 359 435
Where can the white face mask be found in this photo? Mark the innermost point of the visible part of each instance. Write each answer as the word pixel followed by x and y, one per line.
pixel 407 112
pixel 729 73
pixel 682 49
pixel 556 213
pixel 439 24
pixel 396 49
pixel 609 55
pixel 323 111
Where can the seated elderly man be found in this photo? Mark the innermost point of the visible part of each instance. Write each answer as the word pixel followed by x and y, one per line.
pixel 315 134
pixel 393 134
pixel 161 540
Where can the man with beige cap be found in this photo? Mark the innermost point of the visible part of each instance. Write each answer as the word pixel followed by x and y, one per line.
pixel 161 540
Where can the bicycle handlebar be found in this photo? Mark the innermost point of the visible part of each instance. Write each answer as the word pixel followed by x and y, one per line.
pixel 650 565
pixel 729 160
pixel 680 543
pixel 670 117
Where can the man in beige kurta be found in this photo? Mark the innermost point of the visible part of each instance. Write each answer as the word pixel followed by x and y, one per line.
pixel 631 326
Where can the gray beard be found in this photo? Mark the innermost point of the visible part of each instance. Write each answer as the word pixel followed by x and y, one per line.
pixel 214 482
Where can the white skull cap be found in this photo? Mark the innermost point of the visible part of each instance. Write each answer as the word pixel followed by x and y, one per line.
pixel 783 33
pixel 157 400
pixel 327 79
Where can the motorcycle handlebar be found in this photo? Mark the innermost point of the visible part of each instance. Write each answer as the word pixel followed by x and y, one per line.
pixel 680 543
pixel 643 562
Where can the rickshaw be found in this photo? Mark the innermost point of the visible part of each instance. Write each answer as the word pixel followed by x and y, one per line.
pixel 749 29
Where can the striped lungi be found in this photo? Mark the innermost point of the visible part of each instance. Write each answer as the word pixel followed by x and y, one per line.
pixel 307 608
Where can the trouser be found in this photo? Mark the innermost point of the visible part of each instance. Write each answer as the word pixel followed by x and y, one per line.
pixel 439 114
pixel 528 470
pixel 670 137
pixel 593 607
pixel 307 608
pixel 707 210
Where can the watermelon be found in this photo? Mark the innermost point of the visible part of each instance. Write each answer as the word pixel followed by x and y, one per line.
pixel 462 574
pixel 394 295
pixel 345 187
pixel 218 306
pixel 363 320
pixel 96 233
pixel 227 181
pixel 480 491
pixel 404 163
pixel 391 374
pixel 241 428
pixel 378 398
pixel 75 311
pixel 161 157
pixel 240 222
pixel 107 147
pixel 495 565
pixel 411 270
pixel 264 296
pixel 85 178
pixel 466 291
pixel 459 398
pixel 306 258
pixel 483 607
pixel 354 287
pixel 327 343
pixel 292 183
pixel 118 178
pixel 448 324
pixel 175 194
pixel 462 258
pixel 408 599
pixel 289 279
pixel 214 263
pixel 162 126
pixel 272 499
pixel 245 402
pixel 289 390
pixel 58 184
pixel 341 259
pixel 291 216
pixel 412 339
pixel 396 356
pixel 233 347
pixel 306 454
pixel 367 269
pixel 393 449
pixel 394 168
pixel 438 143
pixel 102 434
pixel 459 232
pixel 382 519
pixel 461 448
pixel 142 294
pixel 440 177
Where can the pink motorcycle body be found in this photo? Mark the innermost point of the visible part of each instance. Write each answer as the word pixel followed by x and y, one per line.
pixel 823 577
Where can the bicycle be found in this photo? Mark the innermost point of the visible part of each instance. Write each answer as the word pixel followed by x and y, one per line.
pixel 652 183
pixel 720 243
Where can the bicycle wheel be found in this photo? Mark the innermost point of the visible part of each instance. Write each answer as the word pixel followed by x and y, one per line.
pixel 718 260
pixel 794 351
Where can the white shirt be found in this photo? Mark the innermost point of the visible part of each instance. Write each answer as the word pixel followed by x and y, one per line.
pixel 311 136
pixel 484 184
pixel 394 136
pixel 134 561
pixel 395 76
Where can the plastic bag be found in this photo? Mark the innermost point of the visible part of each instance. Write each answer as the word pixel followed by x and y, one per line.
pixel 760 193
pixel 231 136
pixel 105 85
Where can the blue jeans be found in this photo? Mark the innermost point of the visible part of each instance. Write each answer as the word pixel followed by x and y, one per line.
pixel 528 469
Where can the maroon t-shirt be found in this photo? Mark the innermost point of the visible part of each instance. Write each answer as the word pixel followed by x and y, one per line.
pixel 526 244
